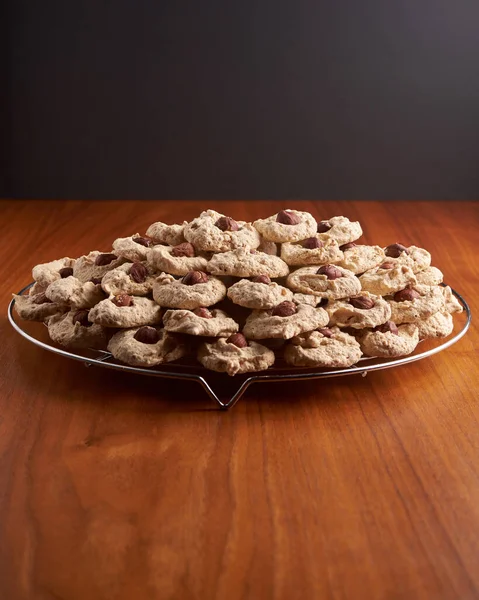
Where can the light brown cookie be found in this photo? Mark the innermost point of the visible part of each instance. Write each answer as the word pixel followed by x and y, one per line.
pixel 74 330
pixel 36 307
pixel 389 341
pixel 177 260
pixel 74 293
pixel 287 226
pixel 451 303
pixel 125 311
pixel 214 232
pixel 326 347
pixel 358 312
pixel 136 279
pixel 201 321
pixel 438 325
pixel 311 251
pixel 268 247
pixel 260 294
pixel 247 263
pixel 134 248
pixel 194 290
pixel 340 229
pixel 413 304
pixel 327 281
pixel 390 277
pixel 94 265
pixel 285 321
pixel 359 258
pixel 172 235
pixel 416 258
pixel 299 298
pixel 235 355
pixel 430 276
pixel 47 273
pixel 146 346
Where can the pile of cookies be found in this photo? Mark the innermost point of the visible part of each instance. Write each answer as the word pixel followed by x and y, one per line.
pixel 239 295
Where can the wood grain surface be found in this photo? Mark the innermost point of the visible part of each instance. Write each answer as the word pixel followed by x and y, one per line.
pixel 118 487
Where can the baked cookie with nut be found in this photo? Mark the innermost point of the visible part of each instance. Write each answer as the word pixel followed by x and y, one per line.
pixel 177 260
pixel 451 303
pixel 259 293
pixel 299 298
pixel 94 265
pixel 36 307
pixel 74 330
pixel 214 232
pixel 324 347
pixel 285 320
pixel 136 279
pixel 430 276
pixel 196 289
pixel 311 251
pixel 359 258
pixel 390 277
pixel 327 281
pixel 200 321
pixel 415 303
pixel 171 235
pixel 47 273
pixel 287 226
pixel 125 311
pixel 72 292
pixel 417 258
pixel 360 311
pixel 247 263
pixel 340 229
pixel 146 346
pixel 389 340
pixel 134 248
pixel 234 355
pixel 438 325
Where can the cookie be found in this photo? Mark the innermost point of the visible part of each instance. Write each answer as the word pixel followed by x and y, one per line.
pixel 287 226
pixel 285 321
pixel 299 298
pixel 136 279
pixel 400 341
pixel 172 235
pixel 177 260
pixel 416 258
pixel 125 311
pixel 390 277
pixel 37 289
pixel 358 312
pixel 327 281
pixel 134 248
pixel 225 356
pixel 47 273
pixel 247 263
pixel 340 229
pixel 413 304
pixel 36 307
pixel 438 325
pixel 94 265
pixel 74 330
pixel 146 346
pixel 430 276
pixel 327 347
pixel 194 290
pixel 359 258
pixel 311 251
pixel 74 293
pixel 201 321
pixel 214 232
pixel 259 295
pixel 451 303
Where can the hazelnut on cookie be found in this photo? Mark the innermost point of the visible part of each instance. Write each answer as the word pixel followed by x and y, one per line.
pixel 135 278
pixel 133 248
pixel 363 310
pixel 177 260
pixel 415 303
pixel 287 226
pixel 94 265
pixel 311 251
pixel 389 277
pixel 389 340
pixel 194 290
pixel 146 346
pixel 247 263
pixel 74 293
pixel 200 321
pixel 326 281
pixel 36 307
pixel 417 258
pixel 171 235
pixel 125 311
pixel 359 258
pixel 285 320
pixel 340 229
pixel 214 232
pixel 74 330
pixel 47 273
pixel 324 347
pixel 259 293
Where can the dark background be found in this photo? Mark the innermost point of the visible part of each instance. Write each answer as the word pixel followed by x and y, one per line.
pixel 267 99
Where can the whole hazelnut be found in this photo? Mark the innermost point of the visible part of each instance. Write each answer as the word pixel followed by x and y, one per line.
pixel 66 272
pixel 238 339
pixel 387 265
pixel 105 259
pixel 312 243
pixel 262 279
pixel 147 335
pixel 388 327
pixel 227 224
pixel 348 246
pixel 203 312
pixel 194 277
pixel 285 309
pixel 406 294
pixel 326 332
pixel 330 271
pixel 81 316
pixel 143 241
pixel 184 249
pixel 363 302
pixel 323 226
pixel 138 272
pixel 122 300
pixel 395 250
pixel 287 217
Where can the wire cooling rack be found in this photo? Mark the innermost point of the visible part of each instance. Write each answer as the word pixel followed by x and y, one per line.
pixel 193 372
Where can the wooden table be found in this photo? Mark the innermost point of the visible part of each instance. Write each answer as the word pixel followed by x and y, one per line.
pixel 122 487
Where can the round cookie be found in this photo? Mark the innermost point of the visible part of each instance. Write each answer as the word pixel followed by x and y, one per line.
pixel 139 311
pixel 136 279
pixel 287 226
pixel 429 301
pixel 329 347
pixel 359 258
pixel 95 264
pixel 134 248
pixel 267 324
pixel 156 346
pixel 47 273
pixel 201 321
pixel 74 293
pixel 430 276
pixel 359 312
pixel 214 232
pixel 36 307
pixel 259 296
pixel 451 303
pixel 74 330
pixel 177 260
pixel 332 282
pixel 416 258
pixel 391 276
pixel 299 298
pixel 247 263
pixel 340 229
pixel 387 344
pixel 172 235
pixel 312 251
pixel 195 290
pixel 226 357
pixel 438 325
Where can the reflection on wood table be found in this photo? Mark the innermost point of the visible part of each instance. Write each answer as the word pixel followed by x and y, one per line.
pixel 115 487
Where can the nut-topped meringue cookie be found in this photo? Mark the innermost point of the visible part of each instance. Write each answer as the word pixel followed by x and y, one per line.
pixel 74 293
pixel 200 321
pixel 214 232
pixel 326 281
pixel 430 276
pixel 146 346
pixel 95 264
pixel 134 248
pixel 324 347
pixel 125 311
pixel 196 289
pixel 415 303
pixel 74 330
pixel 287 226
pixel 284 321
pixel 247 263
pixel 416 258
pixel 135 278
pixel 36 307
pixel 359 258
pixel 363 310
pixel 234 355
pixel 47 273
pixel 389 277
pixel 389 340
pixel 177 260
pixel 260 293
pixel 451 303
pixel 340 229
pixel 171 235
pixel 311 251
